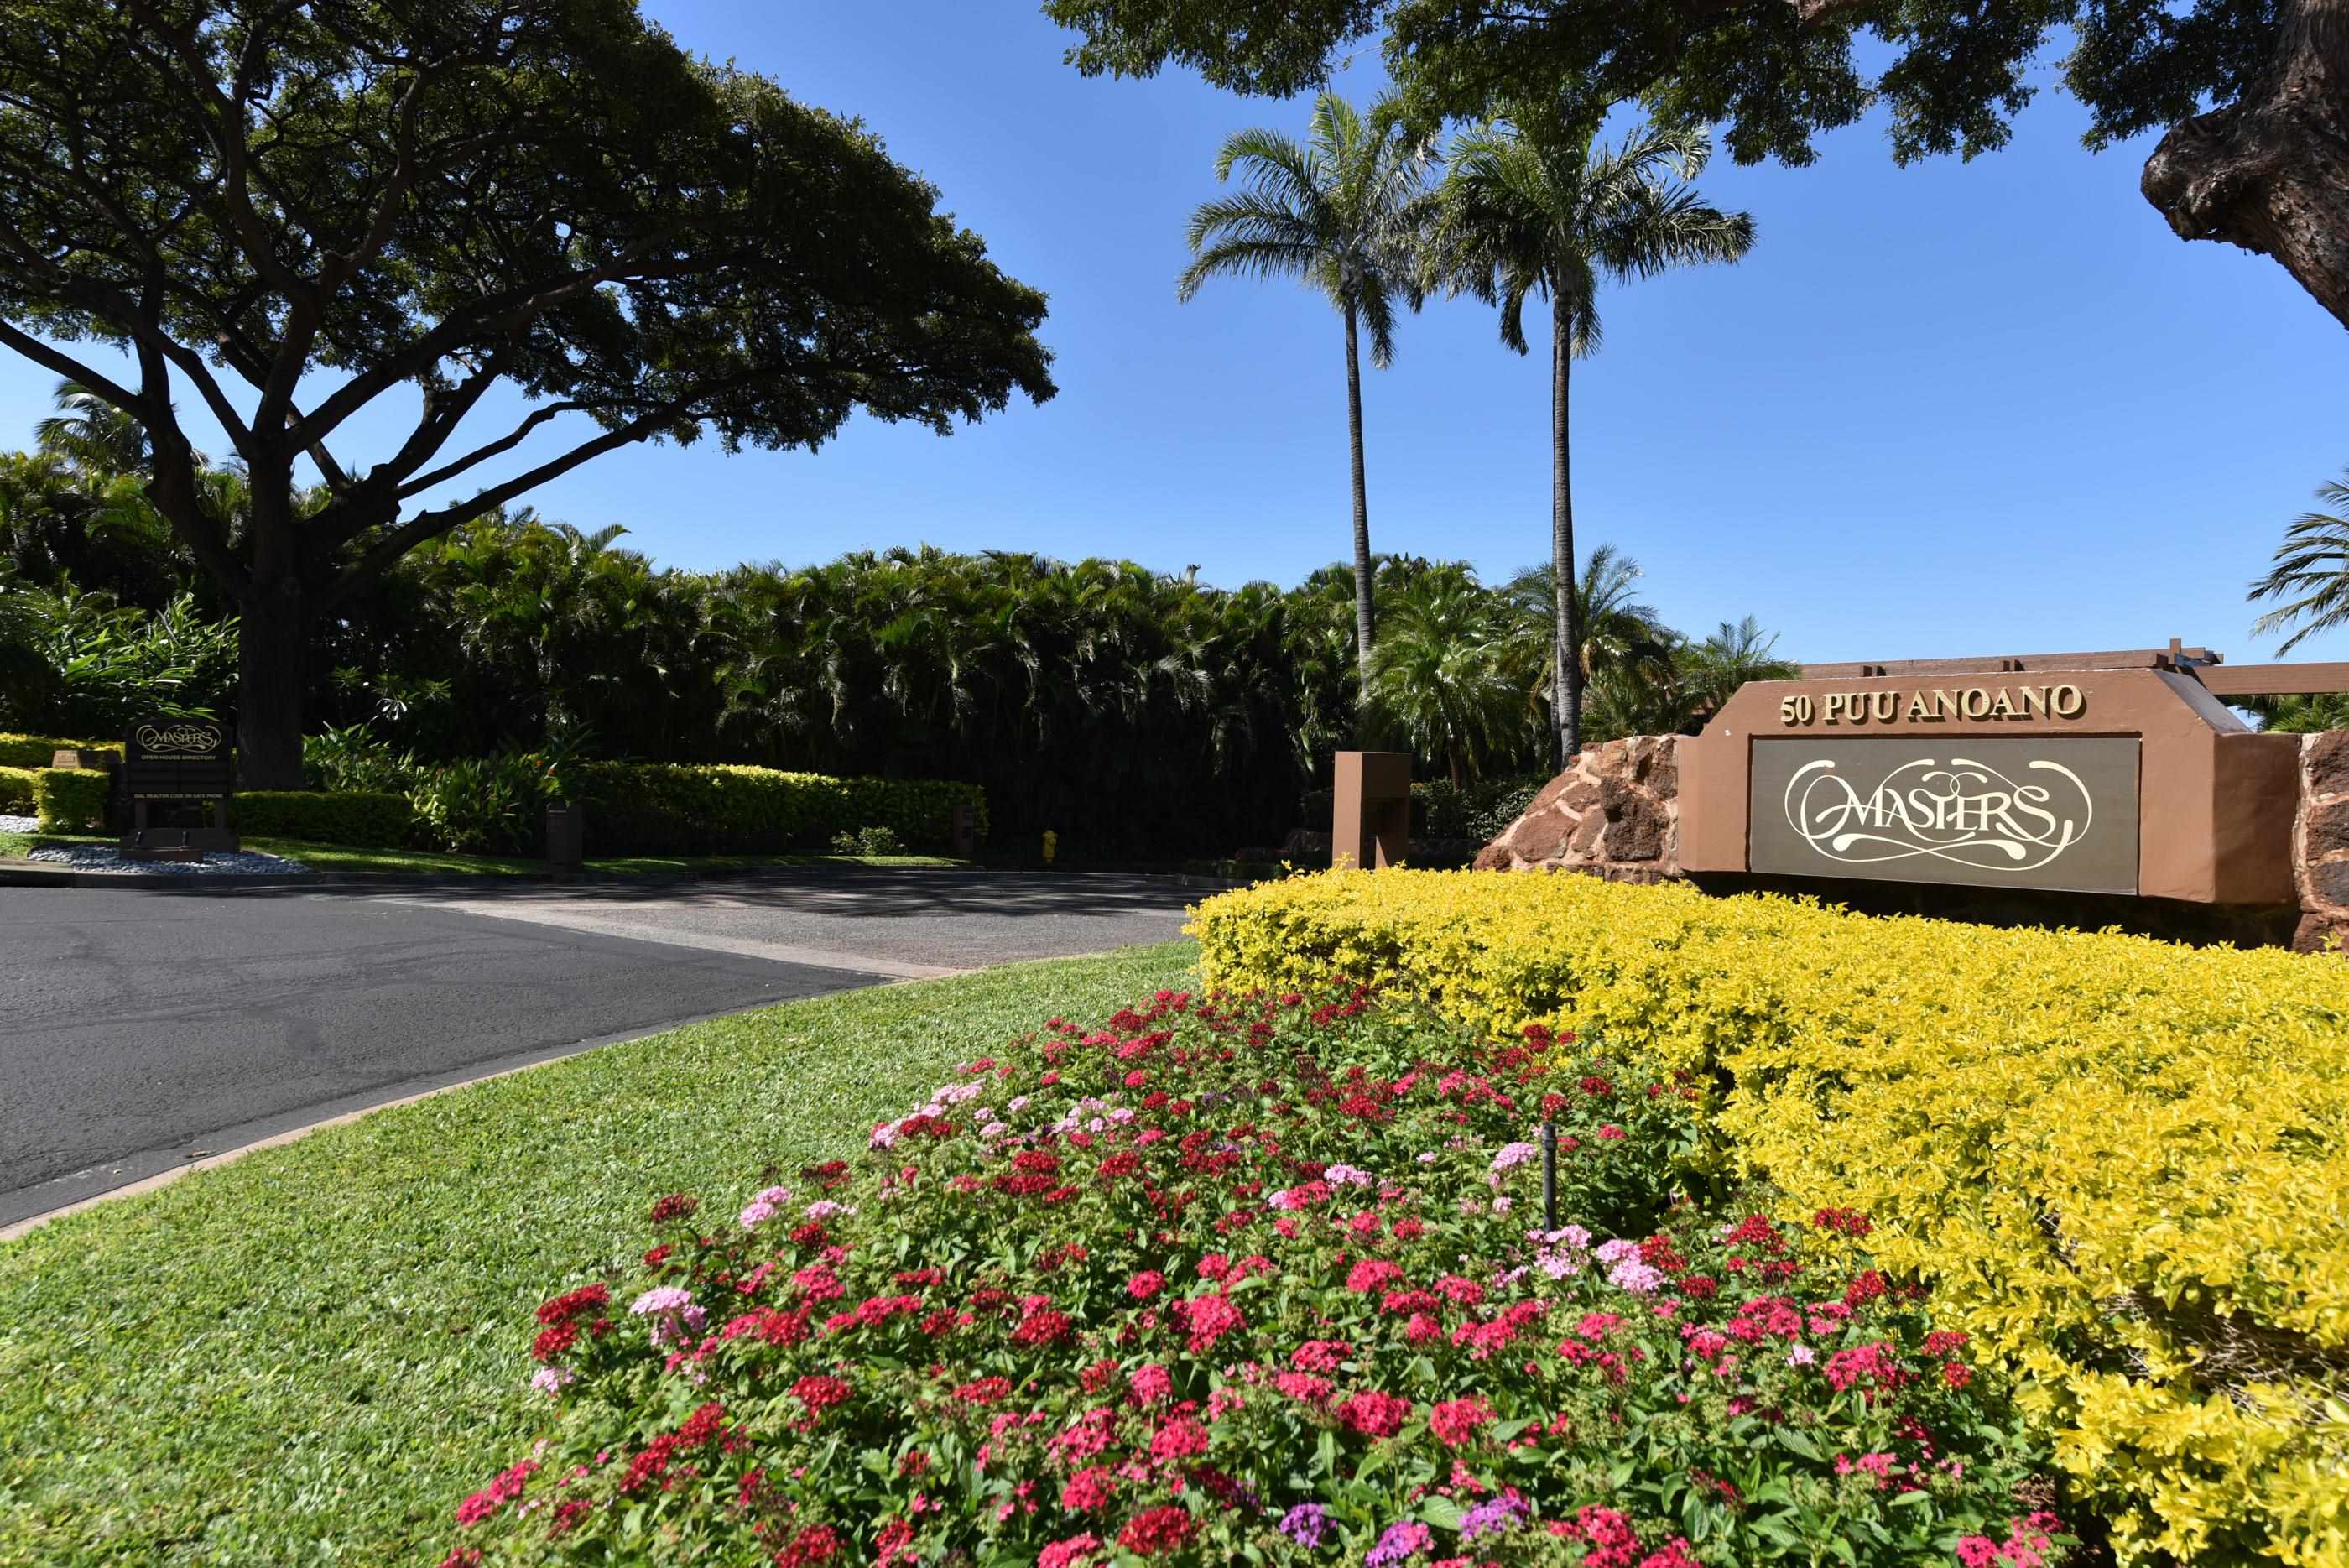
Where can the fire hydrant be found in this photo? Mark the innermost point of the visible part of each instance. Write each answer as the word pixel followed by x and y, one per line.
pixel 1051 844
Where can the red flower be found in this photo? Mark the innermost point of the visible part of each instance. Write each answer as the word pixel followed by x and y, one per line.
pixel 1089 1489
pixel 1319 1355
pixel 1457 1421
pixel 1209 1318
pixel 1145 1284
pixel 1179 1440
pixel 816 1544
pixel 573 1303
pixel 1373 1275
pixel 820 1393
pixel 1155 1529
pixel 1374 1414
pixel 1043 1326
pixel 985 1391
pixel 675 1206
pixel 503 1489
pixel 554 1341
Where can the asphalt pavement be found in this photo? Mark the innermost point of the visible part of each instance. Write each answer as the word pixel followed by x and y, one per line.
pixel 140 1030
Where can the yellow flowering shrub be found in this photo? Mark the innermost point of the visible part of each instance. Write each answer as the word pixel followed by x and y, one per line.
pixel 2120 1163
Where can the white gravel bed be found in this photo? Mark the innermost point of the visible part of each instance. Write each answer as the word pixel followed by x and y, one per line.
pixel 19 823
pixel 98 858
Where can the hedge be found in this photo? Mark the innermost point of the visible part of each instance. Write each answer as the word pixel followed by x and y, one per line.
pixel 675 808
pixel 2121 1163
pixel 355 818
pixel 69 800
pixel 16 792
pixel 36 750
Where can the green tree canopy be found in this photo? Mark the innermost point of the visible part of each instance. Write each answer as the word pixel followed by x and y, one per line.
pixel 2253 95
pixel 291 209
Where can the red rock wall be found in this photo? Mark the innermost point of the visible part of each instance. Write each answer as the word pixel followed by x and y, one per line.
pixel 1616 812
pixel 2320 841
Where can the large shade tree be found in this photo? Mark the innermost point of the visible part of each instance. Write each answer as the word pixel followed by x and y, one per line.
pixel 1341 212
pixel 2252 96
pixel 1538 209
pixel 315 217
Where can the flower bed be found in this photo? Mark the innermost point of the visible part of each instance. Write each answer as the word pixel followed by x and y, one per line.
pixel 1261 1279
pixel 2120 1163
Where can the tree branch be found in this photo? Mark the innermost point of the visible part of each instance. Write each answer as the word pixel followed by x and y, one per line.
pixel 481 454
pixel 378 556
pixel 116 394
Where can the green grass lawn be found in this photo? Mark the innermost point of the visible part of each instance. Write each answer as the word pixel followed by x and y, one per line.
pixel 311 1356
pixel 424 862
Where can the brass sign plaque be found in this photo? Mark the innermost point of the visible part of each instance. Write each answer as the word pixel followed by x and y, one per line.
pixel 2012 811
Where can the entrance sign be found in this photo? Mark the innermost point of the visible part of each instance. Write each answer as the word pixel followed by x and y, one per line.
pixel 177 764
pixel 2082 772
pixel 176 759
pixel 2057 813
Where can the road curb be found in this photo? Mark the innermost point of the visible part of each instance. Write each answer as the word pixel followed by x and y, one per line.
pixel 57 874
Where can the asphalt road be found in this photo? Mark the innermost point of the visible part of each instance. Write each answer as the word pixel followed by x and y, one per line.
pixel 140 1030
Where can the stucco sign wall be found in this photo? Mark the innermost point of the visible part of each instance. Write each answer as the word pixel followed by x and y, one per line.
pixel 2096 781
pixel 2055 812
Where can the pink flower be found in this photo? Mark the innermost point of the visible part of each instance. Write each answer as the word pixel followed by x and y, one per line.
pixel 1145 1284
pixel 1150 1384
pixel 1373 1275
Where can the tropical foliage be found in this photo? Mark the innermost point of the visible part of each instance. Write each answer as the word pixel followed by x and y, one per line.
pixel 1130 711
pixel 2311 573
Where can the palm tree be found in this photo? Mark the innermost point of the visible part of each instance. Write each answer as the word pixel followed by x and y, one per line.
pixel 1613 631
pixel 92 434
pixel 1449 678
pixel 2312 562
pixel 1710 672
pixel 1538 208
pixel 1341 210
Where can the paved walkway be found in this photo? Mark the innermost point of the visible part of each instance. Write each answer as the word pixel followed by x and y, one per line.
pixel 142 1030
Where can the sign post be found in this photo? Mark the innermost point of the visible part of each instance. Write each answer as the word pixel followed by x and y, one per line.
pixel 185 767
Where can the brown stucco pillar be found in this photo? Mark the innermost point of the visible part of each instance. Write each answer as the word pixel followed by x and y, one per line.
pixel 1371 818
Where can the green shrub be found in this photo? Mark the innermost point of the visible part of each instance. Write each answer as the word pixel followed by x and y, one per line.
pixel 35 751
pixel 370 819
pixel 69 800
pixel 487 805
pixel 355 758
pixel 640 808
pixel 15 791
pixel 867 841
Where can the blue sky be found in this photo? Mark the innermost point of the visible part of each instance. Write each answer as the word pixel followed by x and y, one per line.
pixel 1975 408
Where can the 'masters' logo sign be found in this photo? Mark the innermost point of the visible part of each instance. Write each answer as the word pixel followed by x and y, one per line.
pixel 2039 811
pixel 177 738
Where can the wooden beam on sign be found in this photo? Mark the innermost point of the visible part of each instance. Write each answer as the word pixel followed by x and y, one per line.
pixel 2017 663
pixel 2274 679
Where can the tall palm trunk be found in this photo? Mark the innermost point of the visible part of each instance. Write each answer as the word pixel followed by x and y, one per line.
pixel 1567 708
pixel 1362 507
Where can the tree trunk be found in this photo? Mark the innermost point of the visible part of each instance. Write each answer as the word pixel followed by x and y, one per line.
pixel 272 650
pixel 1361 509
pixel 1565 674
pixel 2270 172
